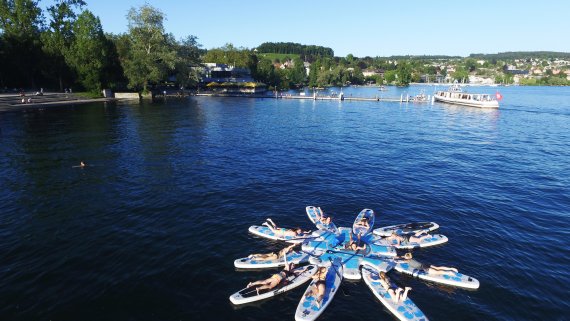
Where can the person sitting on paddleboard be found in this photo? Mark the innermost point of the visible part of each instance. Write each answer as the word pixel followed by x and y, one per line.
pixel 394 291
pixel 429 269
pixel 319 287
pixel 283 232
pixel 364 223
pixel 325 220
pixel 273 280
pixel 273 255
pixel 355 245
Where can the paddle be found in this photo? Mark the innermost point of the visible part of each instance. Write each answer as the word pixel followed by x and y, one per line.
pixel 342 289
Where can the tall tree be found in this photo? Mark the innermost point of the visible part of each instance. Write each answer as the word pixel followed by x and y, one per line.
pixel 188 55
pixel 89 51
pixel 58 37
pixel 20 25
pixel 151 56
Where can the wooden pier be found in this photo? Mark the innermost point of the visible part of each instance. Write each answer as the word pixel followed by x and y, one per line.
pixel 341 97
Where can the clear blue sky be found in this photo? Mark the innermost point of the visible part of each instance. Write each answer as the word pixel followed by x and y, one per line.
pixel 363 28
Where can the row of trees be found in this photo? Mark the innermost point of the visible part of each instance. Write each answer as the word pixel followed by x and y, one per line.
pixel 70 48
pixel 295 48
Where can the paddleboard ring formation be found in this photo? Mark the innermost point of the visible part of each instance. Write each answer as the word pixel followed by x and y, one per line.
pixel 358 252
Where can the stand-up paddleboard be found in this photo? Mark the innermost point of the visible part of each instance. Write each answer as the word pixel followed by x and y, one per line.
pixel 451 278
pixel 308 309
pixel 378 263
pixel 405 310
pixel 299 276
pixel 382 250
pixel 315 213
pixel 358 228
pixel 253 263
pixel 408 228
pixel 432 240
pixel 266 232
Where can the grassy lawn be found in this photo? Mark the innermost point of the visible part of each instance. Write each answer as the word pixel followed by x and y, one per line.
pixel 88 94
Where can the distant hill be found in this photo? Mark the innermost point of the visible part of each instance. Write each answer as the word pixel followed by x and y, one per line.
pixel 522 55
pixel 294 48
pixel 421 57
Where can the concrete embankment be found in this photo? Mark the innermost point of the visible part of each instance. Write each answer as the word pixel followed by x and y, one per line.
pixel 10 102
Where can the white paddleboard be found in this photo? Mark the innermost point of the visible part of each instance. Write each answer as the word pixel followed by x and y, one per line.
pixel 431 240
pixel 408 228
pixel 266 232
pixel 253 263
pixel 451 278
pixel 307 310
pixel 405 310
pixel 315 213
pixel 361 230
pixel 247 295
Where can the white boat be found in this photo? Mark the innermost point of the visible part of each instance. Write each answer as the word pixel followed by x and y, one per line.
pixel 454 95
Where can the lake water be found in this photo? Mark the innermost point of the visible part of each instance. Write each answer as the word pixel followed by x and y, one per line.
pixel 150 230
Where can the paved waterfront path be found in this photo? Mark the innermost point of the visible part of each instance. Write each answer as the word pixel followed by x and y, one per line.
pixel 14 101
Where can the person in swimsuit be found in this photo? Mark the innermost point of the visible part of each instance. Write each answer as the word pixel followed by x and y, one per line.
pixel 283 232
pixel 394 291
pixel 429 269
pixel 355 245
pixel 397 239
pixel 273 280
pixel 326 220
pixel 319 287
pixel 364 222
pixel 273 255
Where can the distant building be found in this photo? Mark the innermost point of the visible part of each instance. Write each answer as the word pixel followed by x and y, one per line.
pixel 225 79
pixel 212 72
pixel 513 70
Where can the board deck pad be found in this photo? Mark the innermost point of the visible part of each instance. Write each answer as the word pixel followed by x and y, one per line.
pixel 407 228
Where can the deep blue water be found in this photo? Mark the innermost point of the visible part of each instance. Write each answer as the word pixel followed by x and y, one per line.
pixel 151 229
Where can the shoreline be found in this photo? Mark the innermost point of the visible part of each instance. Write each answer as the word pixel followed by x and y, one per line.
pixel 23 106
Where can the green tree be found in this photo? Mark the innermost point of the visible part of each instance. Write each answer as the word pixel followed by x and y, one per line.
pixel 390 76
pixel 151 56
pixel 58 37
pixel 266 72
pixel 188 55
pixel 404 73
pixel 88 52
pixel 298 73
pixel 314 71
pixel 20 24
pixel 460 74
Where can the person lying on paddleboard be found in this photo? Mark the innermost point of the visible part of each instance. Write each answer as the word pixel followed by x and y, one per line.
pixel 394 291
pixel 319 287
pixel 273 255
pixel 429 269
pixel 283 232
pixel 273 280
pixel 417 237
